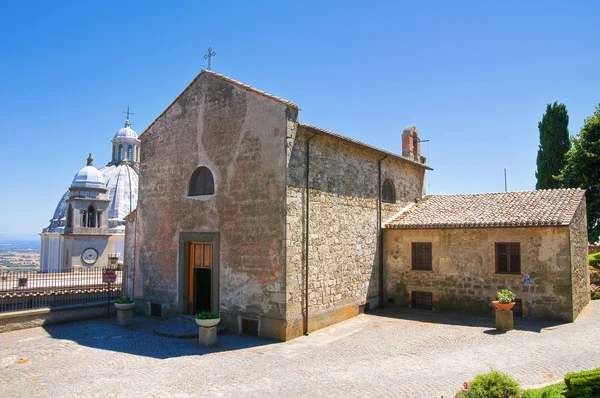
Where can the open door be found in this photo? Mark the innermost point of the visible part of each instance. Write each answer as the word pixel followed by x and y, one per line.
pixel 200 277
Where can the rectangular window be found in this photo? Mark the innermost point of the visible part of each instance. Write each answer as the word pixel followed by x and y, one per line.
pixel 421 256
pixel 517 309
pixel 422 300
pixel 508 258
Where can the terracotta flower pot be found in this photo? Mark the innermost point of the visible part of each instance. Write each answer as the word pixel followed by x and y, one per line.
pixel 503 307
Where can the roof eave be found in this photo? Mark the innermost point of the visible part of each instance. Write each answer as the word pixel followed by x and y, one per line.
pixel 362 144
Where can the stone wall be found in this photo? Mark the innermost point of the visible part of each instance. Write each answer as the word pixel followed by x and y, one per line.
pixel 580 274
pixel 464 274
pixel 240 136
pixel 343 252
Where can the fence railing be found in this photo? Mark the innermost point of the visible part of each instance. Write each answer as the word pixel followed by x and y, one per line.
pixel 21 290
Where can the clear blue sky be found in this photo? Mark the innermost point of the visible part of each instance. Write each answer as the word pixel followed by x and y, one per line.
pixel 474 77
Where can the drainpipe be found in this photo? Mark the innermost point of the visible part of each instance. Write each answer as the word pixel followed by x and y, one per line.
pixel 380 232
pixel 306 237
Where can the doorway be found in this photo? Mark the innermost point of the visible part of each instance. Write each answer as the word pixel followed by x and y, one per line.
pixel 200 273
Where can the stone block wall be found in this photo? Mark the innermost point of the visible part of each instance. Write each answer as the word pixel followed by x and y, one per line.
pixel 343 256
pixel 464 274
pixel 240 136
pixel 580 274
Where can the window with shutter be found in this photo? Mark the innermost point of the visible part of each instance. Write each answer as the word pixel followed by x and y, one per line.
pixel 508 258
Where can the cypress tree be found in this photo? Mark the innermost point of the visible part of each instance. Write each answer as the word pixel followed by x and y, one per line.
pixel 554 144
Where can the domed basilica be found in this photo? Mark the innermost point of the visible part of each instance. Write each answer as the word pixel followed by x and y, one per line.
pixel 88 223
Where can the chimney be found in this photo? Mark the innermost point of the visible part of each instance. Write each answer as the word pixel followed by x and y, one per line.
pixel 411 146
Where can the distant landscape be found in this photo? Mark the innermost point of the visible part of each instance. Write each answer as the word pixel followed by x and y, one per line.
pixel 20 254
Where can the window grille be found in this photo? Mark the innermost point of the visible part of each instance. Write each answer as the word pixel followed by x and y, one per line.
pixel 422 300
pixel 518 308
pixel 421 256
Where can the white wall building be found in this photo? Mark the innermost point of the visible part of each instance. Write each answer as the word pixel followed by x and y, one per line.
pixel 120 180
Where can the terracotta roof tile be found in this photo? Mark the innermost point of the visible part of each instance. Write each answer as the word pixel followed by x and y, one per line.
pixel 549 207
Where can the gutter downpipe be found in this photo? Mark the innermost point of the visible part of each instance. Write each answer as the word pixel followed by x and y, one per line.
pixel 380 231
pixel 306 237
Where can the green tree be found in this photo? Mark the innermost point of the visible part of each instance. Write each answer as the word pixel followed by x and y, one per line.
pixel 554 144
pixel 582 170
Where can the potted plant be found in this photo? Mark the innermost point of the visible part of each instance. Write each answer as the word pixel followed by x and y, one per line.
pixel 124 310
pixel 125 303
pixel 506 300
pixel 207 319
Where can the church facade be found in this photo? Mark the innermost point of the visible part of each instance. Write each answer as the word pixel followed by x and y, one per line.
pixel 284 228
pixel 85 236
pixel 222 221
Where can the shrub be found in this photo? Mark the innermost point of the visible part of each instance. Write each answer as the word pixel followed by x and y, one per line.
pixel 492 385
pixel 125 300
pixel 505 296
pixel 583 384
pixel 595 291
pixel 594 259
pixel 207 315
pixel 553 391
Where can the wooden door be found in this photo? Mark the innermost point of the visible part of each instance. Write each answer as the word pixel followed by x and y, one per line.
pixel 201 257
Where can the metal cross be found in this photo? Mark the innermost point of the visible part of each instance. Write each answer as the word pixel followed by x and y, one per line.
pixel 128 113
pixel 210 54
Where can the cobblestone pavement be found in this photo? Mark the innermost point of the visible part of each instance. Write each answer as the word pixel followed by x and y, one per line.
pixel 386 353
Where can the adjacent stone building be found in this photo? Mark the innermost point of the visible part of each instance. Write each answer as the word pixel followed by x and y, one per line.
pixel 453 252
pixel 277 225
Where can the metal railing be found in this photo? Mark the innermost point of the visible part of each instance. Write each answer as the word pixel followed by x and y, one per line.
pixel 22 290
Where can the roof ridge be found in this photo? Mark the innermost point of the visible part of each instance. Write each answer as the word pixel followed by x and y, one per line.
pixel 505 192
pixel 550 207
pixel 222 77
pixel 357 142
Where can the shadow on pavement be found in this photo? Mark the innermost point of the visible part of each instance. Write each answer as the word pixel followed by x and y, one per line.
pixel 140 338
pixel 446 318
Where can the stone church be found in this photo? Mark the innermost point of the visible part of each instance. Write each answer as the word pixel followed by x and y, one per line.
pixel 278 225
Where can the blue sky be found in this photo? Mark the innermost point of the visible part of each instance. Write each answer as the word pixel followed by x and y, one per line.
pixel 474 77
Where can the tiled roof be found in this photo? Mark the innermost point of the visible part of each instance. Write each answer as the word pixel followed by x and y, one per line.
pixel 549 207
pixel 227 79
pixel 360 143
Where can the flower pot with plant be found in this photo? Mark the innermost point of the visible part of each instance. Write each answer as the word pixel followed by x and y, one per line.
pixel 124 303
pixel 207 319
pixel 506 300
pixel 124 310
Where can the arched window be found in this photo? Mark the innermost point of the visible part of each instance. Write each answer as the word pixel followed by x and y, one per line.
pixel 201 183
pixel 91 217
pixel 69 216
pixel 120 151
pixel 388 192
pixel 130 153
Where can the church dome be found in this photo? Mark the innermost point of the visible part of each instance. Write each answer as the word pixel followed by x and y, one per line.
pixel 122 190
pixel 88 177
pixel 127 131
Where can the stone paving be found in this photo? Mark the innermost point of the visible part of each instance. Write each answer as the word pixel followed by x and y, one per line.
pixel 386 353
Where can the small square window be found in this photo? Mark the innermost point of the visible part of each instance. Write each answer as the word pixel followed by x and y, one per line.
pixel 508 258
pixel 422 300
pixel 421 256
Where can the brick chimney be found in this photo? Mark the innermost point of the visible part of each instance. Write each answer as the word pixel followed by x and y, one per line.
pixel 411 146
